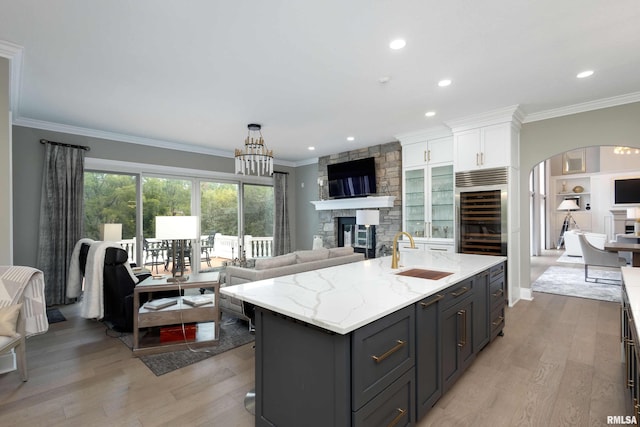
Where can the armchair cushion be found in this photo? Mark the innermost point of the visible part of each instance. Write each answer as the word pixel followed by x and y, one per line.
pixel 9 320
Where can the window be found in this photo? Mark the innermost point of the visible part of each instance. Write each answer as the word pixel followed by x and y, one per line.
pixel 134 194
pixel 110 198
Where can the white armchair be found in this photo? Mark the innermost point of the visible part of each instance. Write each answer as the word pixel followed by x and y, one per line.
pixel 598 257
pixel 572 243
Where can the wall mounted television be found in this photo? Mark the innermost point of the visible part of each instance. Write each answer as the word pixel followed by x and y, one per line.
pixel 355 178
pixel 626 191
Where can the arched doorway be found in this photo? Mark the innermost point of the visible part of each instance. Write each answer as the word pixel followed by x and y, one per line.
pixel 586 176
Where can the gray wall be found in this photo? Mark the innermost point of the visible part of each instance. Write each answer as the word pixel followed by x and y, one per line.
pixel 5 164
pixel 544 139
pixel 306 217
pixel 28 157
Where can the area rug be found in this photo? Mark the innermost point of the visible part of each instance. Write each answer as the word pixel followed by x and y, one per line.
pixel 54 315
pixel 570 259
pixel 233 334
pixel 570 281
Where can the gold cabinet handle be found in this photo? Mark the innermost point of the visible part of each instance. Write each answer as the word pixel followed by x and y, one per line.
pixel 429 155
pixel 498 321
pixel 396 420
pixel 482 158
pixel 462 291
pixel 629 354
pixel 463 341
pixel 477 159
pixel 398 346
pixel 425 155
pixel 498 293
pixel 433 301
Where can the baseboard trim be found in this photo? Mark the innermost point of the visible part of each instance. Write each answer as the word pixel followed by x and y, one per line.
pixel 526 294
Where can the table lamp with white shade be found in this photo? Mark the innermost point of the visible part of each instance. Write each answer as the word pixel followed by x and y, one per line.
pixel 367 218
pixel 634 213
pixel 179 229
pixel 111 232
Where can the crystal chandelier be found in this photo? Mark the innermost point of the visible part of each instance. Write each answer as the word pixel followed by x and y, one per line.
pixel 255 159
pixel 626 150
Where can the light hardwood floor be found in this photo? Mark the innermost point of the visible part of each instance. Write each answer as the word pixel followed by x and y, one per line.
pixel 558 364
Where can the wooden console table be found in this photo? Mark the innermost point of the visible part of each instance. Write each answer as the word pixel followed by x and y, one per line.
pixel 206 317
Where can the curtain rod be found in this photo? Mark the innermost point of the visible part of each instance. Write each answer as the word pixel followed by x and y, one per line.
pixel 62 144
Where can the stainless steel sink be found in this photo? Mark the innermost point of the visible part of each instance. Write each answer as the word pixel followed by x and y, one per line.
pixel 422 273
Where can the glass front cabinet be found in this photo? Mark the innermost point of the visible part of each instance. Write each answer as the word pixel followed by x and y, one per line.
pixel 428 199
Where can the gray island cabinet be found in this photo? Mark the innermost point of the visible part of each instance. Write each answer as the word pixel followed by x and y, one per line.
pixel 323 370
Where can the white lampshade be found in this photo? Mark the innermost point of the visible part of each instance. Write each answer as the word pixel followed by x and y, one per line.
pixel 568 205
pixel 633 213
pixel 367 217
pixel 176 227
pixel 111 232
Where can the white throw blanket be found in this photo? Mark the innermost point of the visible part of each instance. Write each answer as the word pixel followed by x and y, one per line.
pixel 74 280
pixel 92 304
pixel 26 283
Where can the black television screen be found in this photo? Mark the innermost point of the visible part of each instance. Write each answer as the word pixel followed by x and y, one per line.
pixel 356 178
pixel 627 191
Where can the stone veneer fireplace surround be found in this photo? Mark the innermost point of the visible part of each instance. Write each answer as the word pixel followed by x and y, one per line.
pixel 388 158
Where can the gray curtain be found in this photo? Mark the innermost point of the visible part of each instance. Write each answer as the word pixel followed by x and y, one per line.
pixel 61 217
pixel 281 233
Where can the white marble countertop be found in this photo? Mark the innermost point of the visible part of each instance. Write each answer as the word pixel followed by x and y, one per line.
pixel 346 297
pixel 631 277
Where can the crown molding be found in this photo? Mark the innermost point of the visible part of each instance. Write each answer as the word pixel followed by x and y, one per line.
pixel 613 101
pixel 13 53
pixel 435 132
pixel 113 136
pixel 511 114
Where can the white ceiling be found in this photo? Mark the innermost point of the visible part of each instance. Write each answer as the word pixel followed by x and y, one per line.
pixel 195 73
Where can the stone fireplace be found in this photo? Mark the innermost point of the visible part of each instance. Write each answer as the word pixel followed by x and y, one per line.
pixel 388 182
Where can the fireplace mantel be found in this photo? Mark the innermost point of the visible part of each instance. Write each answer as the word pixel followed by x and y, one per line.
pixel 355 203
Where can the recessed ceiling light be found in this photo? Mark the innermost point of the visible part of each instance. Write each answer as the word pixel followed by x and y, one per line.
pixel 587 73
pixel 444 82
pixel 311 148
pixel 397 44
pixel 350 138
pixel 384 79
pixel 430 113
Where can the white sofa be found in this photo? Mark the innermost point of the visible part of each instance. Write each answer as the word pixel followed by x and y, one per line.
pixel 267 268
pixel 572 243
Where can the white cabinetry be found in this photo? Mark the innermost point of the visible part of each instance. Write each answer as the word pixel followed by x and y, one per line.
pixel 434 151
pixel 485 147
pixel 428 186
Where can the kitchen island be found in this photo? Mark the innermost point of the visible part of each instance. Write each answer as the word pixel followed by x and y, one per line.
pixel 360 344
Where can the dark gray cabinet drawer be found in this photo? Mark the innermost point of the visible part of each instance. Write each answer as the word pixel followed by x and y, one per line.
pixel 497 293
pixel 382 351
pixel 497 271
pixel 394 406
pixel 457 292
pixel 497 321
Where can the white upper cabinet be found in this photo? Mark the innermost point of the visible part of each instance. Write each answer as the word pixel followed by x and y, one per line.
pixel 424 151
pixel 485 147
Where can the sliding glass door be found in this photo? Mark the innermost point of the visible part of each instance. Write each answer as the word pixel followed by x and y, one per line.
pixel 219 209
pixel 110 200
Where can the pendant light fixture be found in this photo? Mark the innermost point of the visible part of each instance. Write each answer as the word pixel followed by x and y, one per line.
pixel 255 159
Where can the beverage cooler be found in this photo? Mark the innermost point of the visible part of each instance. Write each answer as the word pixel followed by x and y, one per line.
pixel 481 212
